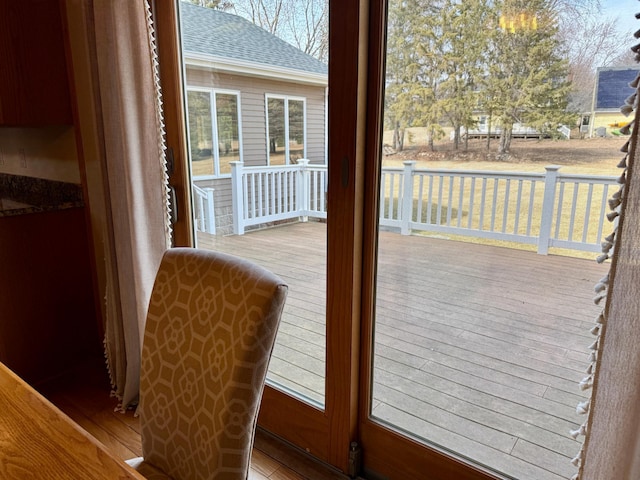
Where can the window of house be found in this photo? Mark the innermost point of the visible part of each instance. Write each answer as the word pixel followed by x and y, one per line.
pixel 214 131
pixel 286 129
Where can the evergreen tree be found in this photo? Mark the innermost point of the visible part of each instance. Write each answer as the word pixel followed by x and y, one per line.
pixel 412 76
pixel 450 59
pixel 462 43
pixel 527 72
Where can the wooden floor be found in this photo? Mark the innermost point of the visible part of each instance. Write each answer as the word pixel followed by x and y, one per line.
pixel 479 349
pixel 84 396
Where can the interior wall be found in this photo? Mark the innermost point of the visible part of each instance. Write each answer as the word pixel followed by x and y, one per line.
pixel 49 153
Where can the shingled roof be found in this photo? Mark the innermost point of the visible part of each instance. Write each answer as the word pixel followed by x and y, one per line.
pixel 206 31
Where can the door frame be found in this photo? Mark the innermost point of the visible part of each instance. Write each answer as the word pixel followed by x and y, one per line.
pixel 356 65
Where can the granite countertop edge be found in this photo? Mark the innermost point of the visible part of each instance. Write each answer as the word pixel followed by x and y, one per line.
pixel 39 209
pixel 37 195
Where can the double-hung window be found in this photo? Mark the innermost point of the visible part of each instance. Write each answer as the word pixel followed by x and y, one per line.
pixel 286 129
pixel 215 138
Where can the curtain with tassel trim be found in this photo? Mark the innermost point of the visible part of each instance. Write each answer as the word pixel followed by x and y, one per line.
pixel 612 445
pixel 136 180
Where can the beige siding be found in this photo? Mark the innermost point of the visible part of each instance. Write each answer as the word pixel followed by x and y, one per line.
pixel 252 110
pixel 253 118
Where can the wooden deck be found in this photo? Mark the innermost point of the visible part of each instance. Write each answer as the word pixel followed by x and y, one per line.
pixel 479 349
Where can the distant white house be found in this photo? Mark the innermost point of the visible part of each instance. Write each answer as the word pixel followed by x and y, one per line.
pixel 251 97
pixel 481 129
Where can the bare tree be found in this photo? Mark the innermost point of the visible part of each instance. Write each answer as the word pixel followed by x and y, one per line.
pixel 591 41
pixel 268 14
pixel 303 23
pixel 310 28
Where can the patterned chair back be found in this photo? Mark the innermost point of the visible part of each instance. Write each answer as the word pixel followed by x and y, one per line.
pixel 209 335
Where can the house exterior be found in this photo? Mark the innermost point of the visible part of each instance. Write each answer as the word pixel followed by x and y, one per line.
pixel 610 91
pixel 481 129
pixel 251 97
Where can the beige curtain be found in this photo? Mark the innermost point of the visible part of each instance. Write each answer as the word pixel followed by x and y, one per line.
pixel 612 447
pixel 135 185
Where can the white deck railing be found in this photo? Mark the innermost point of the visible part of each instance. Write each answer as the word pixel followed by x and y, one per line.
pixel 204 212
pixel 545 209
pixel 269 194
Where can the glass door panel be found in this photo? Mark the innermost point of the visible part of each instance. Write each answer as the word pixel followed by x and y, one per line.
pixel 251 195
pixel 485 261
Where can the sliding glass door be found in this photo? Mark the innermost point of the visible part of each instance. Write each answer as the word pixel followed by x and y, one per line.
pixel 438 358
pixel 481 288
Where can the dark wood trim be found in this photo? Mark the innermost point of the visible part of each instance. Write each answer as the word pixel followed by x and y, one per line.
pixel 392 455
pixel 375 97
pixel 296 422
pixel 80 142
pixel 348 30
pixel 167 26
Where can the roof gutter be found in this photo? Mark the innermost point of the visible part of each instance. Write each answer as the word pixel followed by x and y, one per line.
pixel 253 69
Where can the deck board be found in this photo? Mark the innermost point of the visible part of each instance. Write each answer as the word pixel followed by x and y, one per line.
pixel 478 348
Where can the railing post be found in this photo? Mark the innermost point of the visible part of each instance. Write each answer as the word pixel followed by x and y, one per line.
pixel 237 197
pixel 304 191
pixel 548 204
pixel 209 213
pixel 407 197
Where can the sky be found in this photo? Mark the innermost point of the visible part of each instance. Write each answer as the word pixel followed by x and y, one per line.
pixel 624 10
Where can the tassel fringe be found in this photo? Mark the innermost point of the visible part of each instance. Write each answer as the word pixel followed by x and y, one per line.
pixel 615 204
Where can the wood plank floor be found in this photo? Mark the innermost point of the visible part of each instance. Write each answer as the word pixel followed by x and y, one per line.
pixel 83 395
pixel 479 349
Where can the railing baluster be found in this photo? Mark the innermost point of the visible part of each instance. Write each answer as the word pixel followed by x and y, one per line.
pixel 505 210
pixel 587 211
pixel 381 193
pixel 460 199
pixel 201 211
pixel 430 200
pixel 279 192
pixel 405 199
pixel 260 184
pixel 245 188
pixel 322 190
pixel 494 206
pixel 516 222
pixel 440 188
pixel 603 212
pixel 392 186
pixel 315 190
pixel 420 202
pixel 559 212
pixel 285 192
pixel 449 200
pixel 574 204
pixel 253 195
pixel 532 197
pixel 482 203
pixel 472 198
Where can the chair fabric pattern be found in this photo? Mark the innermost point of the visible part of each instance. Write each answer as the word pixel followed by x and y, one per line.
pixel 210 331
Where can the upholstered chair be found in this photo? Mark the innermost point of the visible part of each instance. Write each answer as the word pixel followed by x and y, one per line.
pixel 209 335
